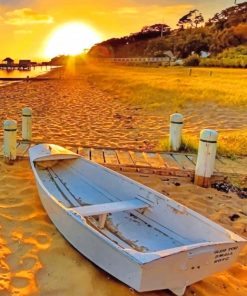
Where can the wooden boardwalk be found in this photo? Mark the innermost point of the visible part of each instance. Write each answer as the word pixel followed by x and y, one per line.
pixel 163 163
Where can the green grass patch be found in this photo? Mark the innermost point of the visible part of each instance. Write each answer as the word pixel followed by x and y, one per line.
pixel 169 90
pixel 230 144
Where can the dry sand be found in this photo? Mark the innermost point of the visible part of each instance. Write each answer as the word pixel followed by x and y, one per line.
pixel 74 111
pixel 36 260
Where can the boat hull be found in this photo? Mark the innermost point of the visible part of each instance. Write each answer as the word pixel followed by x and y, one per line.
pixel 173 272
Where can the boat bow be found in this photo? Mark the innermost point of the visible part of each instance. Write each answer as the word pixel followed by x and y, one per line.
pixel 46 152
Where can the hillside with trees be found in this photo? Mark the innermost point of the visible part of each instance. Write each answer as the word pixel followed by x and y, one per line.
pixel 227 29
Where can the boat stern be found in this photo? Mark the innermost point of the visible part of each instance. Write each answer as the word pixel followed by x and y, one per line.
pixel 179 270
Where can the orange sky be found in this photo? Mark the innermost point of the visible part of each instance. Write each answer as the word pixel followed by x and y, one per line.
pixel 26 25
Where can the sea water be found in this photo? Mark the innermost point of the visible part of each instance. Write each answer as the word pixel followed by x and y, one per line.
pixel 33 72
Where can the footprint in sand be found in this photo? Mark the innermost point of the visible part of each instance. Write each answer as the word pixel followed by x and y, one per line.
pixel 20 212
pixel 19 282
pixel 29 262
pixel 43 239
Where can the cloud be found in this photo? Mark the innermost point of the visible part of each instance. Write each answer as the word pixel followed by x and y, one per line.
pixel 23 32
pixel 122 11
pixel 26 16
pixel 14 3
pixel 127 10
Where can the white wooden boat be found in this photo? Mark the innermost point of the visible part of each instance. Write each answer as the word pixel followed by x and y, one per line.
pixel 136 234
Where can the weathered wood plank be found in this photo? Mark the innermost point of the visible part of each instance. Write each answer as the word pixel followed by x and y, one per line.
pixel 220 166
pixel 97 155
pixel 71 148
pixel 111 207
pixel 170 161
pixel 85 152
pixel 139 159
pixel 21 149
pixel 242 165
pixel 111 157
pixel 192 157
pixel 183 161
pixel 227 165
pixel 154 160
pixel 151 160
pixel 124 158
pixel 26 154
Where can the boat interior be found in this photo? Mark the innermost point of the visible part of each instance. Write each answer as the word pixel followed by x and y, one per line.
pixel 121 209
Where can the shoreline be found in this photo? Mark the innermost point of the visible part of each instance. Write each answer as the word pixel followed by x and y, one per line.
pixel 13 80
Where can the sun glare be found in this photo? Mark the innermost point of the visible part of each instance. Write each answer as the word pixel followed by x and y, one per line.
pixel 71 39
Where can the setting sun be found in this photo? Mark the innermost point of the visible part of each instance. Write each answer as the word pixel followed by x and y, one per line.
pixel 71 39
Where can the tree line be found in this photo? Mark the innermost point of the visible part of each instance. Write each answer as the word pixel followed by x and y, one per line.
pixel 192 36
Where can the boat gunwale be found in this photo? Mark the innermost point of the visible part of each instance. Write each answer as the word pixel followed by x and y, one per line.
pixel 140 257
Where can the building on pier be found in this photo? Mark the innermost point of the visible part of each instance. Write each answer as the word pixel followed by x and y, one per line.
pixel 24 64
pixel 8 62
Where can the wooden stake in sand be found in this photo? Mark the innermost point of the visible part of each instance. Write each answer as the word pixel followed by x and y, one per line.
pixel 206 157
pixel 26 124
pixel 9 139
pixel 176 125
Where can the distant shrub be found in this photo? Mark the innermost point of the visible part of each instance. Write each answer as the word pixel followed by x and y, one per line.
pixel 192 60
pixel 235 57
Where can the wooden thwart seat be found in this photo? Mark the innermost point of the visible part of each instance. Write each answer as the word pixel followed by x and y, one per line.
pixel 102 210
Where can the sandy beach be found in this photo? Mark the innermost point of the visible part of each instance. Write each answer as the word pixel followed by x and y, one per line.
pixel 36 260
pixel 73 110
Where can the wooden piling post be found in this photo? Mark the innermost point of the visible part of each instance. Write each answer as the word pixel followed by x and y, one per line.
pixel 27 124
pixel 176 125
pixel 9 140
pixel 206 157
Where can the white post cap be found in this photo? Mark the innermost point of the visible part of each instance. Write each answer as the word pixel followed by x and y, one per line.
pixel 27 111
pixel 208 136
pixel 10 125
pixel 176 118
